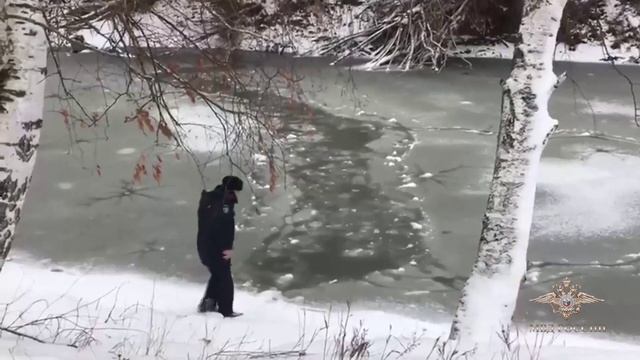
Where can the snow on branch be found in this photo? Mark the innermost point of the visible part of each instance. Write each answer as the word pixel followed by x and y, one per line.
pixel 403 33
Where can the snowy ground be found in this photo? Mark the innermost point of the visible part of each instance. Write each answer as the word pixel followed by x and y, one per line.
pixel 113 314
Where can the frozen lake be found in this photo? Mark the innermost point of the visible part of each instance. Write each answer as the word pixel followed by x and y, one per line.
pixel 383 203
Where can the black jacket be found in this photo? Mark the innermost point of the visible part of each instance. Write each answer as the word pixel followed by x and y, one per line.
pixel 216 224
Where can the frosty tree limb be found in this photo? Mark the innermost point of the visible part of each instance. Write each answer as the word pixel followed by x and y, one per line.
pixel 407 33
pixel 489 296
pixel 17 333
pixel 23 56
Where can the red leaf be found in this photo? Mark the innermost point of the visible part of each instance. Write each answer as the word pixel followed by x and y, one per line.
pixel 65 116
pixel 157 172
pixel 144 120
pixel 149 125
pixel 140 123
pixel 137 173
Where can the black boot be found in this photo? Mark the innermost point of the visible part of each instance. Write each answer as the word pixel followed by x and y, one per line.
pixel 231 314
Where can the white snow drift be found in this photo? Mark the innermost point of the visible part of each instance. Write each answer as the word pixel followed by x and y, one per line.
pixel 145 317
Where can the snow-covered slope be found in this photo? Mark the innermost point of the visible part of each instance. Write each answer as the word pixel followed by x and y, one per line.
pixel 120 315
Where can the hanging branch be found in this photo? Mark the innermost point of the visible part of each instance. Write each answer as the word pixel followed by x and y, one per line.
pixel 234 96
pixel 404 33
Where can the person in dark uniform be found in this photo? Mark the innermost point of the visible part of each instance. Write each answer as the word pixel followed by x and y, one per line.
pixel 216 232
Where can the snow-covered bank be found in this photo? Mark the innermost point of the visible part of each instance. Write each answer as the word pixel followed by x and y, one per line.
pixel 307 32
pixel 118 308
pixel 583 53
pixel 136 316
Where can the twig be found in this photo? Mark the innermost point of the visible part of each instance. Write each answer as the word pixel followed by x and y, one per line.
pixel 27 336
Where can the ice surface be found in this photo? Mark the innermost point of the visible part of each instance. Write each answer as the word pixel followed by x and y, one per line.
pixel 416 226
pixel 202 130
pixel 65 185
pixel 126 151
pixel 611 108
pixel 596 196
pixel 285 279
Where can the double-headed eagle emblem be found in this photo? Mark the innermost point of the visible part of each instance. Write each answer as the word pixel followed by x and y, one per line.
pixel 566 298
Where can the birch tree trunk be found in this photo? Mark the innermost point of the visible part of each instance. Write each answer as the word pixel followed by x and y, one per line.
pixel 489 296
pixel 23 57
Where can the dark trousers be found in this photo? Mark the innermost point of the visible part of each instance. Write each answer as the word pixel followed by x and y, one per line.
pixel 220 286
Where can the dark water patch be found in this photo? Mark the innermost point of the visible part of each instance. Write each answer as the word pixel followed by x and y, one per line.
pixel 343 224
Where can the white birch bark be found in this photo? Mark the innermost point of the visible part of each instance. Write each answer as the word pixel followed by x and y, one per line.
pixel 23 57
pixel 489 296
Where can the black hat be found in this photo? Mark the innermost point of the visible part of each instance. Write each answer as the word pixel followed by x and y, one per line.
pixel 232 183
